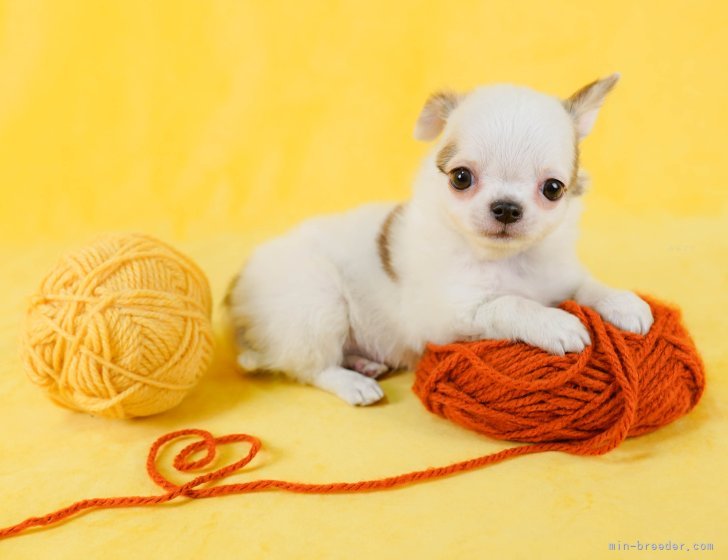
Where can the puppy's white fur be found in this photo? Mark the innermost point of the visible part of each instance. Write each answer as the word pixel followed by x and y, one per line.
pixel 341 299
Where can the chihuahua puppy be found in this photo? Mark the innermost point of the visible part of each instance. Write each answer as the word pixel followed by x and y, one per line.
pixel 485 248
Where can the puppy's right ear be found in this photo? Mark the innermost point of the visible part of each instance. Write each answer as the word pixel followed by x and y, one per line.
pixel 434 114
pixel 585 103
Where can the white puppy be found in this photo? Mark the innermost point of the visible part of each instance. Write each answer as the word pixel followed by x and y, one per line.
pixel 484 249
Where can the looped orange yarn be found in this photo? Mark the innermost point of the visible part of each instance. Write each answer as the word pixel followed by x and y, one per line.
pixel 621 385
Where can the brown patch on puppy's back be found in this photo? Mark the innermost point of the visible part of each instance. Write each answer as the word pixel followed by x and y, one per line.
pixel 383 244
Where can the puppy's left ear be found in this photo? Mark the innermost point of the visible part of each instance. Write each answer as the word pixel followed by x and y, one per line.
pixel 434 114
pixel 584 105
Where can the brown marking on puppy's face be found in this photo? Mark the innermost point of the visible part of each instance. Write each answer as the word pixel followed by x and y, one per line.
pixel 445 155
pixel 383 246
pixel 575 186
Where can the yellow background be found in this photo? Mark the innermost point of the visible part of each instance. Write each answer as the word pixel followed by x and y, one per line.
pixel 215 125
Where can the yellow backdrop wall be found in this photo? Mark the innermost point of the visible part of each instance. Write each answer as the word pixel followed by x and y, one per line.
pixel 217 124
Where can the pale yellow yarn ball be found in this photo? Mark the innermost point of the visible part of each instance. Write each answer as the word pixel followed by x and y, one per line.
pixel 120 328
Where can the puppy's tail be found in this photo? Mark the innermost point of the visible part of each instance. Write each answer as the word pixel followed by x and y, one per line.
pixel 250 360
pixel 247 358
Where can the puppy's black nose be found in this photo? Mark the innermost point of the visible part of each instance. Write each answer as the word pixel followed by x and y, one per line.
pixel 506 211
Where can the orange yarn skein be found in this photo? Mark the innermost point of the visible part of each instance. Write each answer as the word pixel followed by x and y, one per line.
pixel 621 385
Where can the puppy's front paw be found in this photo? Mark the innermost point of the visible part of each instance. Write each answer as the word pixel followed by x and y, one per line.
pixel 626 311
pixel 556 331
pixel 360 391
pixel 350 386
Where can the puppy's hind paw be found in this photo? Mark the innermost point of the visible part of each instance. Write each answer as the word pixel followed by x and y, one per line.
pixel 626 311
pixel 365 366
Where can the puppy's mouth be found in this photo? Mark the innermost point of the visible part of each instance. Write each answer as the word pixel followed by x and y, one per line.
pixel 502 234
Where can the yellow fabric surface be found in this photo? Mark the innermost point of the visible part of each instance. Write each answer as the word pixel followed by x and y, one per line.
pixel 215 125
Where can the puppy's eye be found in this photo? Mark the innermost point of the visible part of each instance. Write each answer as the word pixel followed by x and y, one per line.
pixel 553 189
pixel 461 178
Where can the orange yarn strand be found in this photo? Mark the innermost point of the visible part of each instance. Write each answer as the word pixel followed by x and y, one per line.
pixel 208 442
pixel 622 385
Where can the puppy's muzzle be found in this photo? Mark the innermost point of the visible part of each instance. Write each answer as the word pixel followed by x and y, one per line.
pixel 506 211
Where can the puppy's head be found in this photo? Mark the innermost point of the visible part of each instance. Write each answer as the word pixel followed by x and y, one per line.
pixel 507 162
